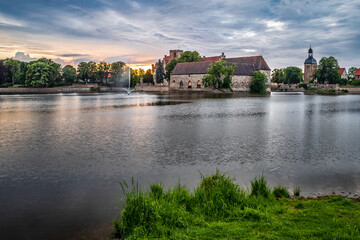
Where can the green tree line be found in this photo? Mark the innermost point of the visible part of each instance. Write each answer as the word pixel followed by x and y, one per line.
pixel 46 73
pixel 289 75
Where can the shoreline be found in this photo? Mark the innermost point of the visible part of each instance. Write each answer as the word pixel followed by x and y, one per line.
pixel 104 89
pixel 220 208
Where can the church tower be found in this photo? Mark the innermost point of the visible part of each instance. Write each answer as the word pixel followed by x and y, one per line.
pixel 309 66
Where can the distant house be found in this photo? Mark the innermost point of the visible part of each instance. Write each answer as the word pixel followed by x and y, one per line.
pixel 188 76
pixel 343 74
pixel 357 74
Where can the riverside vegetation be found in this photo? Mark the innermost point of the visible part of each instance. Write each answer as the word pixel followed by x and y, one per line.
pixel 220 209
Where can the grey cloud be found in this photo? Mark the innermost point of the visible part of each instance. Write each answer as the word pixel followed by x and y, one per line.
pixel 207 26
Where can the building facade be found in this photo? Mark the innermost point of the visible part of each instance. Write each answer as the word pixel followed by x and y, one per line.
pixel 188 76
pixel 310 65
pixel 173 54
pixel 357 74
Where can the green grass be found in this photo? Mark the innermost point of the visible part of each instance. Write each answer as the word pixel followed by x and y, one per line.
pixel 280 191
pixel 220 209
pixel 323 91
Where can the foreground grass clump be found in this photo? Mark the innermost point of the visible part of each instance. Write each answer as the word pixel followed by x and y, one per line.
pixel 220 209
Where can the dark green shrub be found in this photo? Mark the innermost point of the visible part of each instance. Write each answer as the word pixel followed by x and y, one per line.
pixel 6 85
pixel 156 190
pixel 280 191
pixel 297 191
pixel 60 84
pixel 355 82
pixel 259 187
pixel 303 85
pixel 217 195
pixel 342 81
pixel 259 83
pixel 299 205
pixel 344 90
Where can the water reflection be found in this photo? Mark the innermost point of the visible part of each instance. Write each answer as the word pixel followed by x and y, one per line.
pixel 63 155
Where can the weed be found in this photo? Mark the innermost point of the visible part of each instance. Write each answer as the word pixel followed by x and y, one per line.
pixel 259 187
pixel 299 205
pixel 280 191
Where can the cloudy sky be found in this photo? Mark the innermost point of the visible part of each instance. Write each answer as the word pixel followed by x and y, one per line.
pixel 139 32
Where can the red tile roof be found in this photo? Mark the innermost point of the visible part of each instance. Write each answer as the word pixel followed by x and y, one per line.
pixel 357 73
pixel 212 59
pixel 167 59
pixel 341 70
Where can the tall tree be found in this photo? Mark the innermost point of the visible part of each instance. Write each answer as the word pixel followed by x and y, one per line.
pixel 293 75
pixel 116 71
pixel 278 76
pixel 327 71
pixel 170 67
pixel 189 56
pixel 135 77
pixel 83 71
pixel 13 68
pixel 259 82
pixel 93 74
pixel 3 70
pixel 351 73
pixel 159 72
pixel 21 76
pixel 69 74
pixel 148 77
pixel 219 75
pixel 104 70
pixel 42 73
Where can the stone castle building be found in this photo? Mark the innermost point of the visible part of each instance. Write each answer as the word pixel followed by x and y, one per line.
pixel 310 65
pixel 188 76
pixel 173 54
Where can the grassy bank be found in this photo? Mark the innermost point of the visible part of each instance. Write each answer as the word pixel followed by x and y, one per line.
pixel 325 91
pixel 220 209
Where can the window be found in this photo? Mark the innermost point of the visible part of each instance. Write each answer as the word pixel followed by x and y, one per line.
pixel 189 84
pixel 181 84
pixel 198 84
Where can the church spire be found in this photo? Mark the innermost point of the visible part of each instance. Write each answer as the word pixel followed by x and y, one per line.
pixel 310 52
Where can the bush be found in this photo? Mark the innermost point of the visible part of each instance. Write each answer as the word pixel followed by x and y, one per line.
pixel 157 191
pixel 303 85
pixel 6 85
pixel 259 187
pixel 342 81
pixel 217 195
pixel 259 83
pixel 355 82
pixel 280 191
pixel 60 84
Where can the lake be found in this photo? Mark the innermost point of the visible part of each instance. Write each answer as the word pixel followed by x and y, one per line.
pixel 62 155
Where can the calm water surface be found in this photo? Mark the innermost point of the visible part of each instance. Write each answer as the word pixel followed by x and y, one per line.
pixel 62 156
